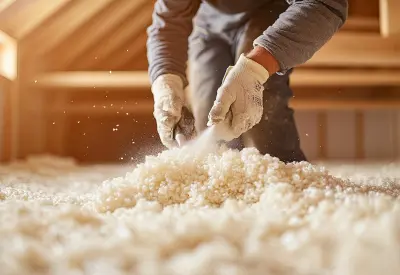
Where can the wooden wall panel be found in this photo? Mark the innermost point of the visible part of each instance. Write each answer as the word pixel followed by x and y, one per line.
pixel 112 138
pixel 396 133
pixel 341 134
pixel 364 8
pixel 6 119
pixel 2 121
pixel 389 18
pixel 99 134
pixel 378 134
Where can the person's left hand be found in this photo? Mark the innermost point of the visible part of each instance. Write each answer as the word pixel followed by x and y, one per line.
pixel 241 94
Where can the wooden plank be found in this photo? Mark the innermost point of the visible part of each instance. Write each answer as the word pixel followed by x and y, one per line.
pixel 394 129
pixel 396 133
pixel 8 56
pixel 99 108
pixel 389 17
pixel 343 77
pixel 14 120
pixel 301 77
pixel 96 32
pixel 378 134
pixel 126 54
pixel 126 34
pixel 341 127
pixel 343 104
pixel 81 79
pixel 355 49
pixel 62 25
pixel 4 118
pixel 25 15
pixel 297 104
pixel 361 24
pixel 360 134
pixel 5 4
pixel 363 8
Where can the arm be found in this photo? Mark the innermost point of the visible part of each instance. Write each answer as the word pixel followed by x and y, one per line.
pixel 299 33
pixel 167 43
pixel 292 40
pixel 167 48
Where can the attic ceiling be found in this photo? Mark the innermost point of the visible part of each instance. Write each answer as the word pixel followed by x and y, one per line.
pixel 67 35
pixel 78 34
pixel 18 18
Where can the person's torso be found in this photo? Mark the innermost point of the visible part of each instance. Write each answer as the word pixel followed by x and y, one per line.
pixel 236 6
pixel 227 15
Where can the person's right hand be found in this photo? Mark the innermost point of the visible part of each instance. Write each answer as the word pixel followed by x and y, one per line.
pixel 169 98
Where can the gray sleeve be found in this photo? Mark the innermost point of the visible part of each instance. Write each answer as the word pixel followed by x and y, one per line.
pixel 302 30
pixel 167 43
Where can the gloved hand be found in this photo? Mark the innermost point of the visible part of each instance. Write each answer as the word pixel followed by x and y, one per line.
pixel 240 98
pixel 169 99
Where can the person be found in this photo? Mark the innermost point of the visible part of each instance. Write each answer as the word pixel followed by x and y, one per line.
pixel 260 41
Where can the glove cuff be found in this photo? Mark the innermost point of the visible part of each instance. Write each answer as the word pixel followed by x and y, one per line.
pixel 257 70
pixel 168 84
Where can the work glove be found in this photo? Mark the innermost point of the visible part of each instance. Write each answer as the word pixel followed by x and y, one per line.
pixel 240 97
pixel 174 120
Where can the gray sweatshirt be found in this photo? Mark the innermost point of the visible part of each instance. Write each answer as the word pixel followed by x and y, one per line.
pixel 293 39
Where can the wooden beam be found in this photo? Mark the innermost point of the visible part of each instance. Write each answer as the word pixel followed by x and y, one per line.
pixel 345 77
pixel 100 108
pixel 389 17
pixel 8 56
pixel 145 106
pixel 361 24
pixel 55 30
pixel 395 133
pixel 95 32
pixel 15 112
pixel 128 52
pixel 140 79
pixel 108 79
pixel 353 49
pixel 5 123
pixel 360 132
pixel 5 4
pixel 134 26
pixel 344 104
pixel 25 15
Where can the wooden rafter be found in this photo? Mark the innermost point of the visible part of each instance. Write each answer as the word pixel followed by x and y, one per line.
pixel 6 119
pixel 132 49
pixel 146 107
pixel 94 33
pixel 58 27
pixel 361 24
pixel 92 79
pixel 99 108
pixel 300 78
pixel 354 49
pixel 8 56
pixel 106 51
pixel 25 15
pixel 389 17
pixel 4 4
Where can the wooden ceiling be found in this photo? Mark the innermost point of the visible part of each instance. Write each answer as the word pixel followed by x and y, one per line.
pixel 79 34
pixel 102 35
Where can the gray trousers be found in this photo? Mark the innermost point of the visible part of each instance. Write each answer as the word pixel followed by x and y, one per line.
pixel 210 54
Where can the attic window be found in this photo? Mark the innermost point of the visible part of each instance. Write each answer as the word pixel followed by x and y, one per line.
pixel 8 57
